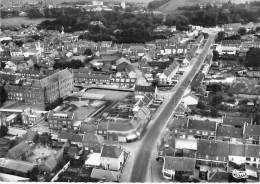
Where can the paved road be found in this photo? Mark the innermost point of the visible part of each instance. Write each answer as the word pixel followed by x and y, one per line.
pixel 141 164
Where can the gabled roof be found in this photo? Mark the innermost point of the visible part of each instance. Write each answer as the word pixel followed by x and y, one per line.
pixel 122 60
pixel 179 123
pixel 107 175
pixel 71 137
pixel 179 163
pixel 192 96
pixel 252 150
pixel 236 121
pixel 170 69
pixel 202 125
pixel 16 165
pixel 18 150
pixel 111 151
pixel 252 130
pixel 90 138
pixel 229 131
pixel 213 149
pixel 147 89
pixel 237 150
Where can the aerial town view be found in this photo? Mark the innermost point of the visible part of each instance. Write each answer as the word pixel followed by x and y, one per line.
pixel 126 91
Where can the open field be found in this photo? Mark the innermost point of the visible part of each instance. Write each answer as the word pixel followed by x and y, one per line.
pixel 12 21
pixel 8 2
pixel 173 5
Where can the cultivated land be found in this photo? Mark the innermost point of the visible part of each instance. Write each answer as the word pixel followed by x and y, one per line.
pixel 173 5
pixel 14 21
pixel 8 2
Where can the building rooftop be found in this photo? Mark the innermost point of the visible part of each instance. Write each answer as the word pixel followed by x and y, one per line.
pixel 213 149
pixel 179 163
pixel 252 130
pixel 147 89
pixel 252 151
pixel 18 150
pixel 16 165
pixel 229 131
pixel 107 175
pixel 202 125
pixel 111 151
pixel 236 121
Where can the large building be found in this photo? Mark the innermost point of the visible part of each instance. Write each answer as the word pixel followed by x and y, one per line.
pixel 60 120
pixel 42 91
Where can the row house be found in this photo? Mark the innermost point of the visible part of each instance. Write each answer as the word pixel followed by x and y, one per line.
pixel 168 73
pixel 103 80
pixel 229 133
pixel 196 129
pixel 252 134
pixel 199 39
pixel 61 120
pixel 229 47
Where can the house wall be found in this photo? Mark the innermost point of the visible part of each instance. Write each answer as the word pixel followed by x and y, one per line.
pixel 112 163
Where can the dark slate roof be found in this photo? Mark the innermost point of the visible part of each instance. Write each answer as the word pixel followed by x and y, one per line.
pixel 18 150
pixel 236 121
pixel 178 123
pixel 179 163
pixel 229 131
pixel 237 150
pixel 213 149
pixel 167 71
pixel 111 151
pixel 149 89
pixel 71 137
pixel 202 125
pixel 109 176
pixel 252 151
pixel 252 130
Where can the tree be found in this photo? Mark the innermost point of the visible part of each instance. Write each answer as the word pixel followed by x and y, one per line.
pixel 253 57
pixel 201 105
pixel 216 100
pixel 3 131
pixel 3 95
pixel 220 36
pixel 88 52
pixel 3 64
pixel 242 31
pixel 215 55
pixel 257 29
pixel 36 138
pixel 214 112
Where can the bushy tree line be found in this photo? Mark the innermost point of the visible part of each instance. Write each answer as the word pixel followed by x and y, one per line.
pixel 156 4
pixel 75 64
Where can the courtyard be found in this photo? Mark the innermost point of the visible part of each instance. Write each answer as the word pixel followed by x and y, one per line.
pixel 113 95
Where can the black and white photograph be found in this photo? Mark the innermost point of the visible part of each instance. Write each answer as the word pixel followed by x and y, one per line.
pixel 130 91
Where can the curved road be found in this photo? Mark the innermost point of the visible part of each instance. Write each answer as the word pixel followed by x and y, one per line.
pixel 143 156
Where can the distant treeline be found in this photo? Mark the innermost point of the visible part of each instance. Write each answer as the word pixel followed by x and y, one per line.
pixel 156 4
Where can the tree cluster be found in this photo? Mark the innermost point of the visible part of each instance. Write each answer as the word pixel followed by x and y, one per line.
pixel 156 4
pixel 3 131
pixel 229 13
pixel 253 58
pixel 3 95
pixel 75 64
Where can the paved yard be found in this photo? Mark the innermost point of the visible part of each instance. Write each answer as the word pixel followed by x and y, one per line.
pixel 110 94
